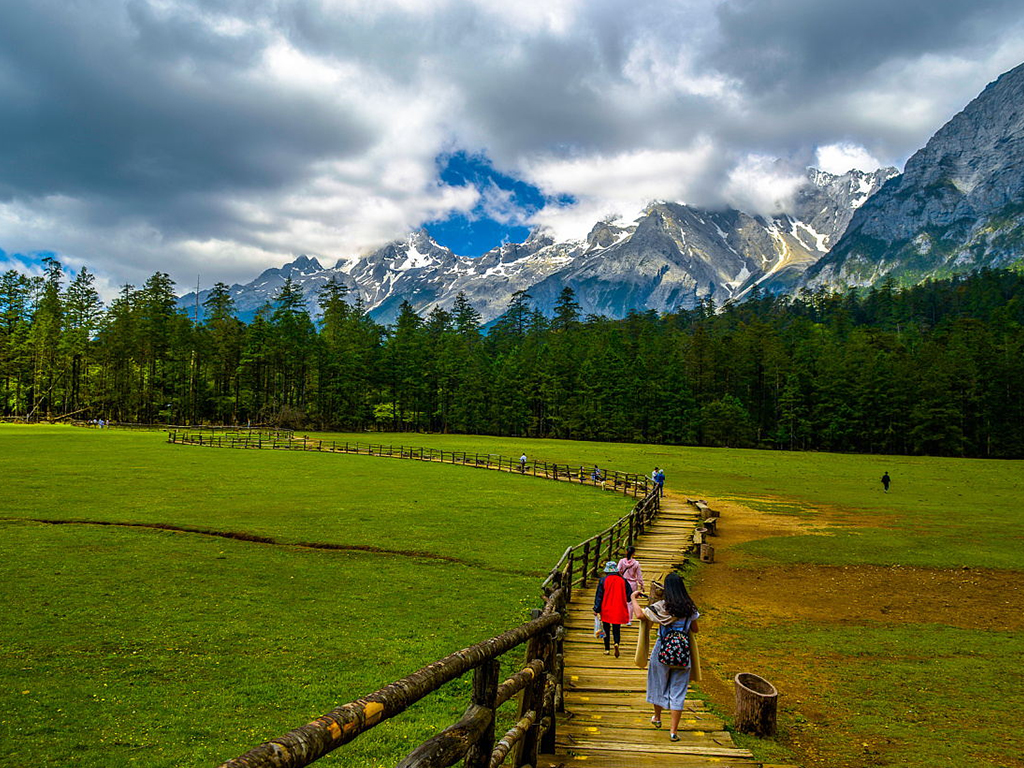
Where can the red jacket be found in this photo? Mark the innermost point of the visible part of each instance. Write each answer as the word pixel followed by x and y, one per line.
pixel 612 599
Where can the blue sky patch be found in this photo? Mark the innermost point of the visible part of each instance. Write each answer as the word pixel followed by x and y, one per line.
pixel 505 205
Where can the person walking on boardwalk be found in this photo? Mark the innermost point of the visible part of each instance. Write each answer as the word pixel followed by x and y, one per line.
pixel 671 662
pixel 885 482
pixel 630 570
pixel 611 603
pixel 659 480
pixel 522 463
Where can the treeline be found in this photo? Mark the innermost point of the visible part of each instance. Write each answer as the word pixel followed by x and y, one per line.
pixel 935 369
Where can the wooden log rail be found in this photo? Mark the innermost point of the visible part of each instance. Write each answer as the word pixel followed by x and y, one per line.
pixel 539 681
pixel 471 738
pixel 628 483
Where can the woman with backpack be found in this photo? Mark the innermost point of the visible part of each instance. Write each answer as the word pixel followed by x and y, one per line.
pixel 671 662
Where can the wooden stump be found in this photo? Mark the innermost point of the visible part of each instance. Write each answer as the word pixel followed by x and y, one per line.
pixel 756 704
pixel 707 553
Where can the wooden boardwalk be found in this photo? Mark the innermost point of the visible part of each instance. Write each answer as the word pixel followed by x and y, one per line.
pixel 606 723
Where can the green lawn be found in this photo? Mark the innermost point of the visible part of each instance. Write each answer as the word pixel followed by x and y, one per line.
pixel 140 646
pixel 940 512
pixel 132 645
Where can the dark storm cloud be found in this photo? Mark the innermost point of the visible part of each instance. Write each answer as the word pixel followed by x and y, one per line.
pixel 194 131
pixel 152 117
pixel 801 47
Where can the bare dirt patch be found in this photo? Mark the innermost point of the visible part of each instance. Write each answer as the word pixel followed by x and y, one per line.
pixel 741 593
pixel 970 599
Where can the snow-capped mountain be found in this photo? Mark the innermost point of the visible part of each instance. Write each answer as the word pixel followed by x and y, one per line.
pixel 958 206
pixel 670 258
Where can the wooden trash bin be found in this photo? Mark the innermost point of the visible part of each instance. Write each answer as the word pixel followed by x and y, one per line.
pixel 707 553
pixel 756 705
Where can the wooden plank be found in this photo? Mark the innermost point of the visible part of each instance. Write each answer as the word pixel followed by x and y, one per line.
pixel 602 702
pixel 666 747
pixel 641 734
pixel 637 760
pixel 639 718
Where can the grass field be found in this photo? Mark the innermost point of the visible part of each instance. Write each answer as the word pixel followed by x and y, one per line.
pixel 890 622
pixel 940 512
pixel 138 646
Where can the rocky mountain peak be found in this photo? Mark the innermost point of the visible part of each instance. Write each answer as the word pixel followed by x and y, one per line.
pixel 956 207
pixel 606 233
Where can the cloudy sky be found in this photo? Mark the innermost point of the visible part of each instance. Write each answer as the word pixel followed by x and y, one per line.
pixel 221 137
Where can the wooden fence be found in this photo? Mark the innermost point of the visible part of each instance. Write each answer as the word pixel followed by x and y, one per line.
pixel 539 678
pixel 629 483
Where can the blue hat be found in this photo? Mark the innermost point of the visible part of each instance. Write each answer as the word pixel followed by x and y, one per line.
pixel 611 567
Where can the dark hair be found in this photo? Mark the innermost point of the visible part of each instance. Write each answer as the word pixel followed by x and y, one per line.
pixel 630 551
pixel 677 600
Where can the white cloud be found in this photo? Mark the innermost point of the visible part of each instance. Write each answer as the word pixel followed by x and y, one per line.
pixel 763 185
pixel 227 137
pixel 844 156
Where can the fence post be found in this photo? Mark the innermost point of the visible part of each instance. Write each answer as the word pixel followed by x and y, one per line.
pixel 597 556
pixel 485 691
pixel 567 584
pixel 533 698
pixel 586 564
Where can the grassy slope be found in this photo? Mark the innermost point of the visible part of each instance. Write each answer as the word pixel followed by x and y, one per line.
pixel 924 520
pixel 907 694
pixel 940 513
pixel 135 646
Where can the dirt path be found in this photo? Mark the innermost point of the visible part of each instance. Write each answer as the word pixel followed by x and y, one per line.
pixel 743 594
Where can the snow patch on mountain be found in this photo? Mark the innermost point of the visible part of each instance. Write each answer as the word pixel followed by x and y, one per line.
pixel 670 258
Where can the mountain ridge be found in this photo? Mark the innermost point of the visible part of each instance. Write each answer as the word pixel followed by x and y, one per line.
pixel 671 257
pixel 957 206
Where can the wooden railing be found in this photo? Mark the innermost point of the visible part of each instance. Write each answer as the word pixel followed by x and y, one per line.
pixel 628 483
pixel 539 677
pixel 584 561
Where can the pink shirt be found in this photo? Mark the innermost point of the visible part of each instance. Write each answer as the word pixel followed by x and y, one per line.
pixel 630 571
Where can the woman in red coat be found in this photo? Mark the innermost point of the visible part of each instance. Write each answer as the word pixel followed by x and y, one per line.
pixel 611 603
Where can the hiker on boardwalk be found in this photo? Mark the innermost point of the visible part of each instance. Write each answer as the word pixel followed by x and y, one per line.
pixel 658 476
pixel 611 603
pixel 630 570
pixel 885 481
pixel 522 463
pixel 671 662
pixel 596 474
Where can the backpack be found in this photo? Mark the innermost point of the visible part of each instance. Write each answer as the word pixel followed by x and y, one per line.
pixel 675 649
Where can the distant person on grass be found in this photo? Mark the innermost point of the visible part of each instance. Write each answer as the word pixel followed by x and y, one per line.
pixel 667 678
pixel 611 603
pixel 885 481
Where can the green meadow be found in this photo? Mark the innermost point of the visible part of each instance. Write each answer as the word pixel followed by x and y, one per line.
pixel 133 645
pixel 940 512
pixel 138 646
pixel 912 692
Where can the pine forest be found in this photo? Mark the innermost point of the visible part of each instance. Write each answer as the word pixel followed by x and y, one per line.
pixel 930 369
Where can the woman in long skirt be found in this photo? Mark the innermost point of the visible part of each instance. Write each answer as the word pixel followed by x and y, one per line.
pixel 666 686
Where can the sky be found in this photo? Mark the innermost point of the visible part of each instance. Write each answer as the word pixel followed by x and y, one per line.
pixel 216 138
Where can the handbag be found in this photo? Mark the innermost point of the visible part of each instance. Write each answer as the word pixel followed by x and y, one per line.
pixel 675 649
pixel 643 648
pixel 598 627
